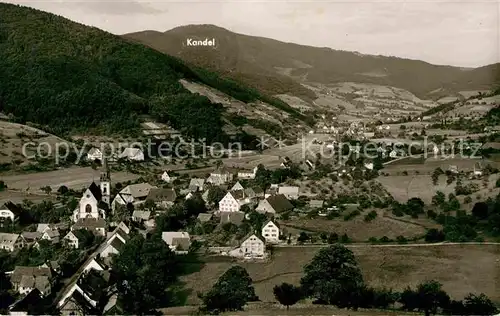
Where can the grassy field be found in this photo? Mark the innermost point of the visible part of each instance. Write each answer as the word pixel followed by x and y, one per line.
pixel 73 178
pixel 461 269
pixel 13 136
pixel 403 187
pixel 271 309
pixel 359 230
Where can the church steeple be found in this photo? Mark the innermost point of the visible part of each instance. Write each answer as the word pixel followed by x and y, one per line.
pixel 105 182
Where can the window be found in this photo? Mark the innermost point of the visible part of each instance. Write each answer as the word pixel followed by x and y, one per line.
pixel 88 208
pixel 104 189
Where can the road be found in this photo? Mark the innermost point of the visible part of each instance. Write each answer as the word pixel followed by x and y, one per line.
pixel 78 273
pixel 408 245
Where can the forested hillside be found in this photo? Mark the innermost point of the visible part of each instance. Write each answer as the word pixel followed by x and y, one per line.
pixel 68 77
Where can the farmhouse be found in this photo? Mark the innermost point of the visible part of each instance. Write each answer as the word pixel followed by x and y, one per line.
pixel 274 204
pixel 74 238
pixel 253 246
pixel 231 202
pixel 11 242
pixel 271 232
pixel 289 192
pixel 247 174
pixel 235 218
pixel 51 235
pixel 10 211
pixel 220 176
pixel 198 183
pixel 132 154
pixel 162 197
pixel 94 154
pixel 25 279
pixel 97 226
pixel 135 194
pixel 179 242
pixel 237 187
pixel 167 178
pixel 112 248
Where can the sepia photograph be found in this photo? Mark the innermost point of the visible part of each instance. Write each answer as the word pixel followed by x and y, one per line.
pixel 250 157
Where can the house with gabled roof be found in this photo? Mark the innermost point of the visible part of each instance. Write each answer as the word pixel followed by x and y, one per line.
pixel 253 246
pixel 247 174
pixel 96 226
pixel 25 279
pixel 112 248
pixel 94 154
pixel 132 154
pixel 162 197
pixel 11 242
pixel 74 238
pixel 11 211
pixel 134 194
pixel 166 177
pixel 179 242
pixel 199 183
pixel 290 192
pixel 237 187
pixel 27 305
pixel 271 231
pixel 235 218
pixel 274 204
pixel 220 176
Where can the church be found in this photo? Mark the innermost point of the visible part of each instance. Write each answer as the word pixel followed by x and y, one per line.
pixel 88 207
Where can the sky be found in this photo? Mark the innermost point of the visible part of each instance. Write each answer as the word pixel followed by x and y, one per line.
pixel 463 33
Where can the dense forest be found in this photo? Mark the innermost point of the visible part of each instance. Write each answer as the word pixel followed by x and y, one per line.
pixel 68 78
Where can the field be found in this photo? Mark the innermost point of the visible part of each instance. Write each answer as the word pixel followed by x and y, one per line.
pixel 357 229
pixel 456 266
pixel 403 187
pixel 272 309
pixel 13 136
pixel 73 178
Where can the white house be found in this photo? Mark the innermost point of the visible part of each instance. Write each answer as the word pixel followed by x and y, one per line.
pixel 133 154
pixel 11 242
pixel 9 210
pixel 88 207
pixel 252 247
pixel 94 154
pixel 51 235
pixel 233 201
pixel 112 248
pixel 135 194
pixel 167 178
pixel 220 176
pixel 179 242
pixel 478 170
pixel 289 192
pixel 73 239
pixel 237 186
pixel 274 204
pixel 97 226
pixel 247 174
pixel 271 232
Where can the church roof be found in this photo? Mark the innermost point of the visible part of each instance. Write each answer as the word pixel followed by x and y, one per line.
pixel 96 191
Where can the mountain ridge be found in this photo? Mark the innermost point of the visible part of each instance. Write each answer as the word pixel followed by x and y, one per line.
pixel 251 55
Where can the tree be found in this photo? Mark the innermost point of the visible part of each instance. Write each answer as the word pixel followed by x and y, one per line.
pixel 430 296
pixel 144 271
pixel 438 199
pixel 287 294
pixel 479 305
pixel 5 297
pixel 480 210
pixel 231 292
pixel 215 194
pixel 434 235
pixel 121 213
pixel 63 190
pixel 333 277
pixel 46 189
